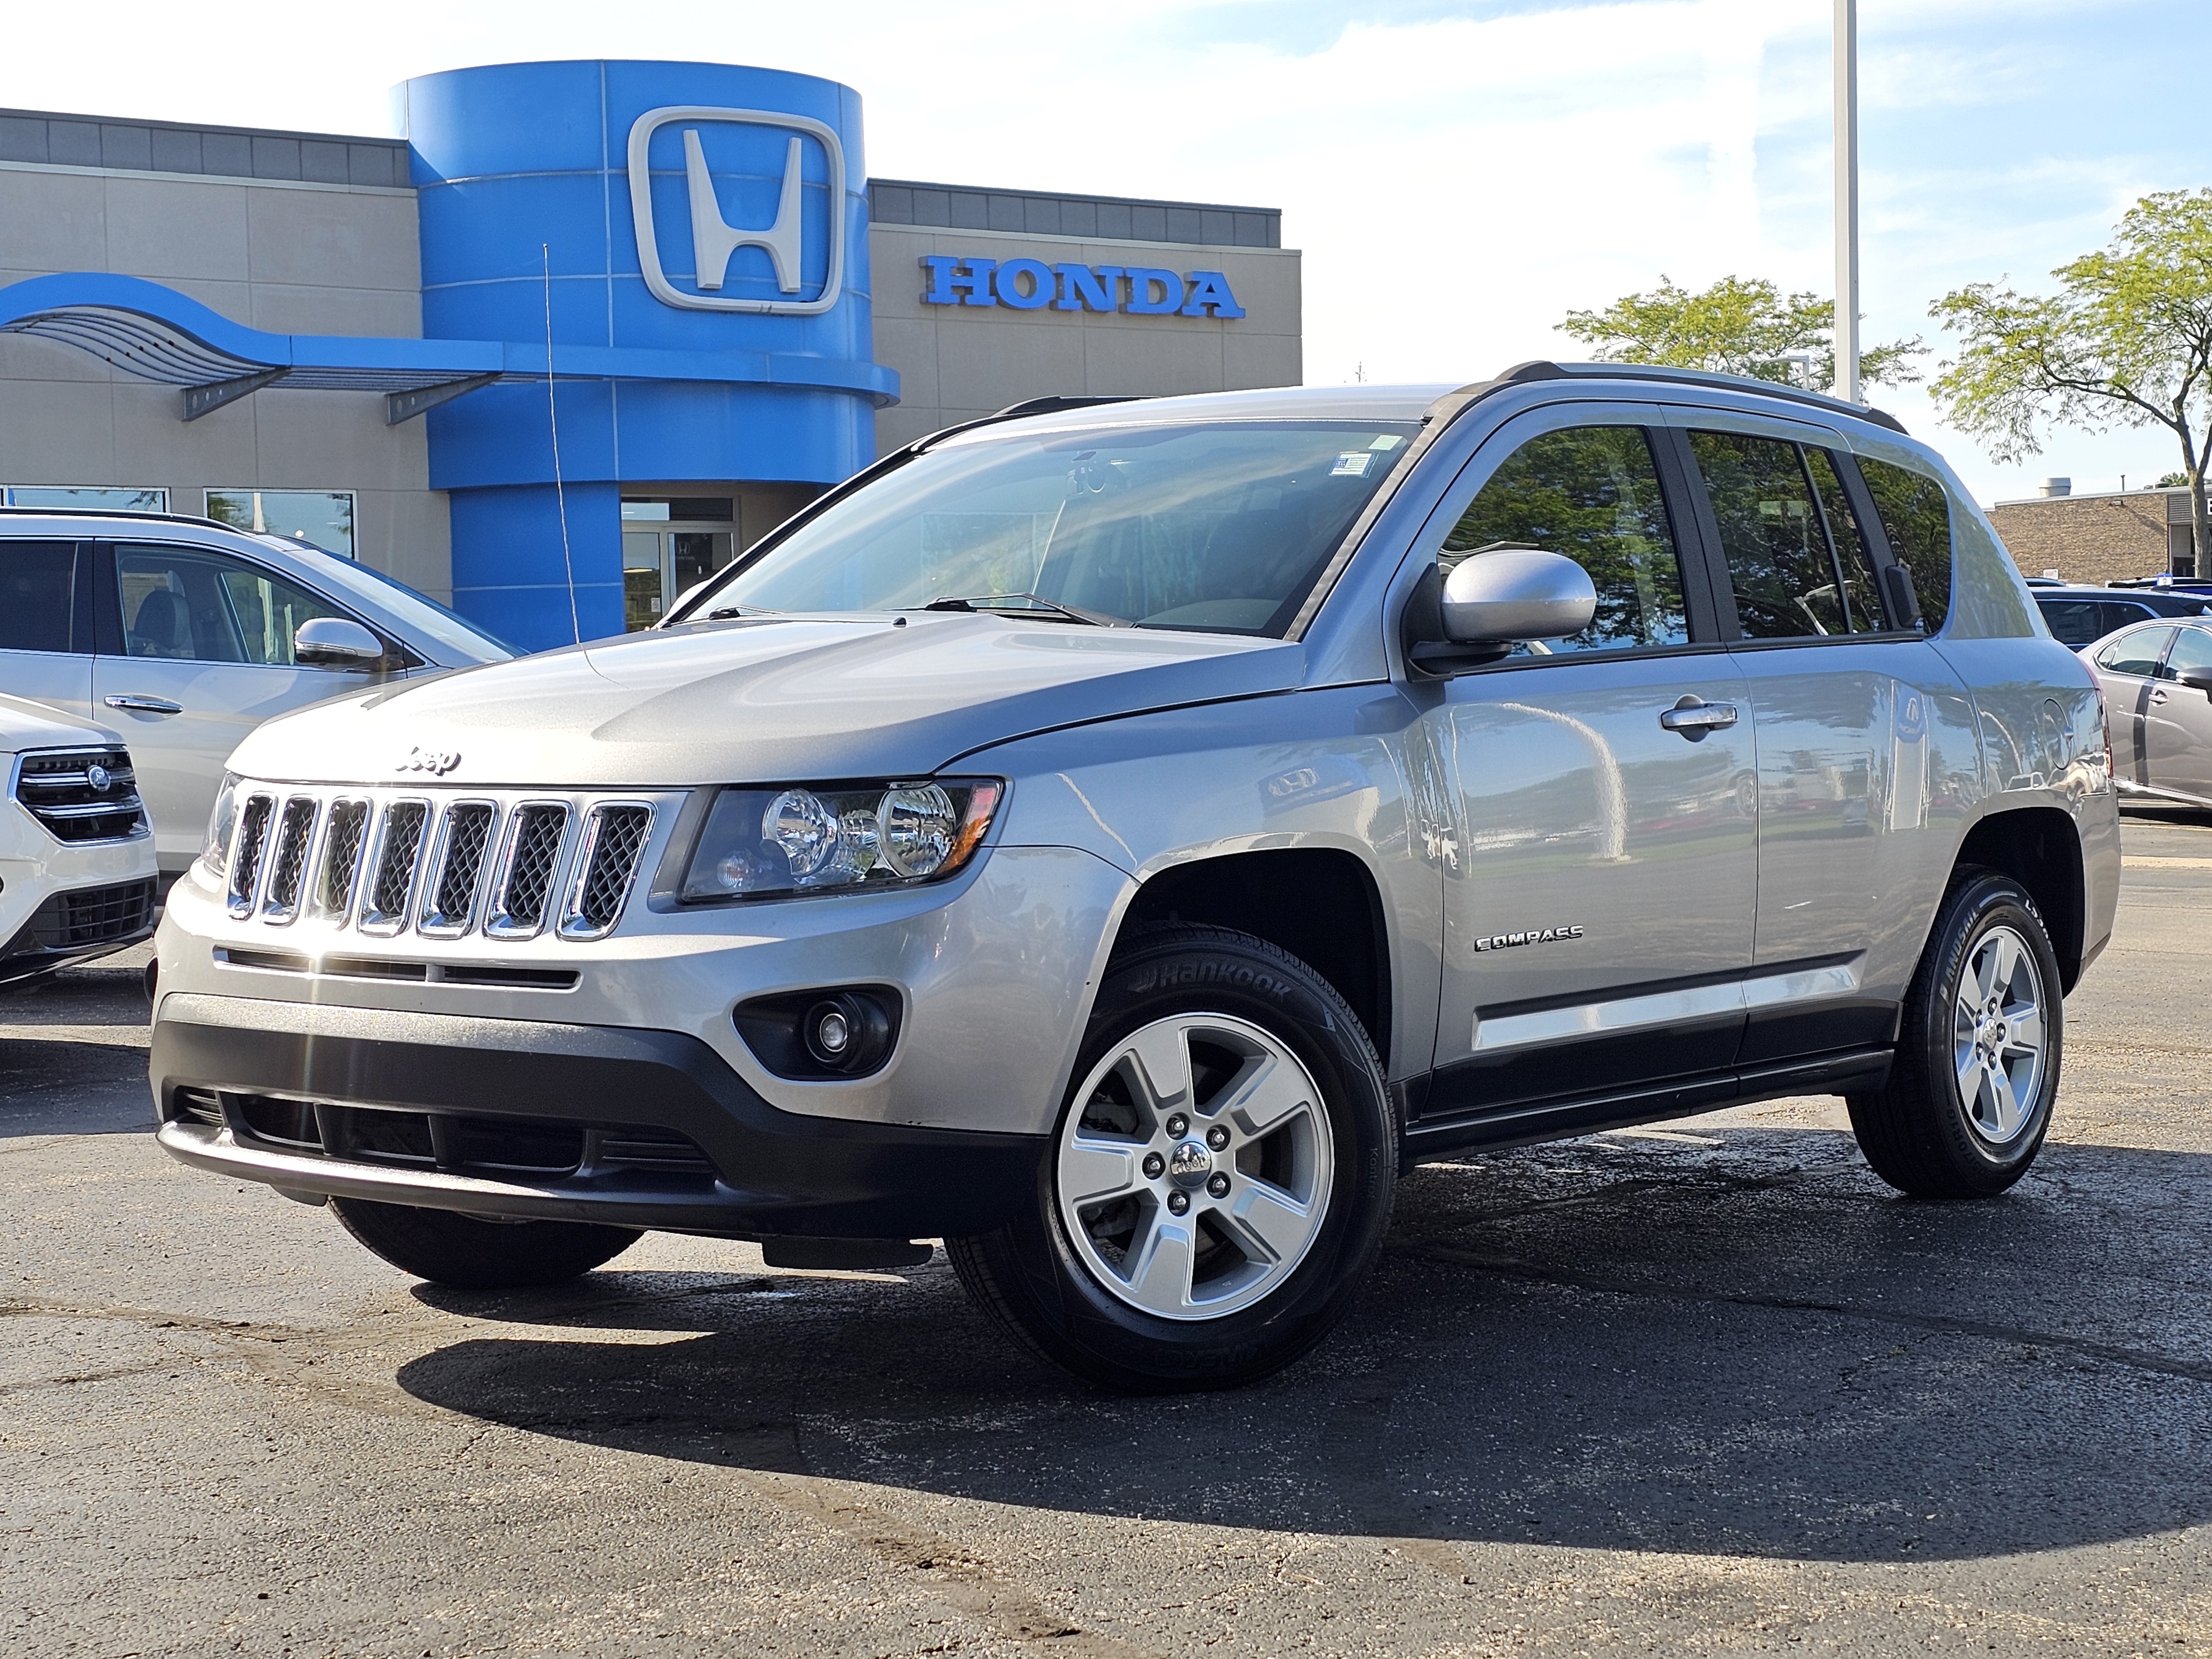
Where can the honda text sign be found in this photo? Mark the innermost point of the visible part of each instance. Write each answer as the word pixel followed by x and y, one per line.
pixel 743 209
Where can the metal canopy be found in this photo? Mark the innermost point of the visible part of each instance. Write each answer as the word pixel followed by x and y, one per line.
pixel 158 334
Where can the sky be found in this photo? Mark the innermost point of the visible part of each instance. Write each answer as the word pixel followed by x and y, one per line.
pixel 1459 176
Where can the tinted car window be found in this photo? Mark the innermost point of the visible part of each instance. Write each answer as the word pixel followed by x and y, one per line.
pixel 2076 621
pixel 1861 594
pixel 2191 654
pixel 1788 583
pixel 38 595
pixel 1916 516
pixel 2137 652
pixel 196 606
pixel 1591 493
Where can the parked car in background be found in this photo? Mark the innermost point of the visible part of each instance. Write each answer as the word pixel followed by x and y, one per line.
pixel 2082 615
pixel 187 633
pixel 2157 681
pixel 76 857
pixel 1118 840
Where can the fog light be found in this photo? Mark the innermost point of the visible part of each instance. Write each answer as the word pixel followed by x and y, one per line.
pixel 847 1032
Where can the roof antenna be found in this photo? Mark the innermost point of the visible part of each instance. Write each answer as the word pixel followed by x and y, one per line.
pixel 553 421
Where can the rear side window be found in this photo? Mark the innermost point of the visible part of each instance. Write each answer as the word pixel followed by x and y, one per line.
pixel 2192 653
pixel 1591 493
pixel 188 605
pixel 2075 622
pixel 2137 652
pixel 1795 557
pixel 1916 516
pixel 38 595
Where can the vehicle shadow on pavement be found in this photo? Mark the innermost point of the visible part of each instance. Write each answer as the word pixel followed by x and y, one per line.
pixel 1751 1349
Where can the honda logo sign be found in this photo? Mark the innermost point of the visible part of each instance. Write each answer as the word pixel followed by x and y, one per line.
pixel 715 240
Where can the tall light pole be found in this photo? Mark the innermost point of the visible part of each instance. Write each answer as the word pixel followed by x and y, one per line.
pixel 1847 200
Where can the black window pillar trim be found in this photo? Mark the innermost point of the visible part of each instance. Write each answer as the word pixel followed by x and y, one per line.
pixel 1705 594
pixel 1878 548
pixel 107 600
pixel 1712 558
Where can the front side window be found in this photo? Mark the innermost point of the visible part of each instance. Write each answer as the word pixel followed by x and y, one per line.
pixel 1795 557
pixel 1593 494
pixel 1916 516
pixel 2191 654
pixel 38 595
pixel 1217 526
pixel 192 605
pixel 2137 652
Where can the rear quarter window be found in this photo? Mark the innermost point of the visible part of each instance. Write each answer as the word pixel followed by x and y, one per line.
pixel 1916 516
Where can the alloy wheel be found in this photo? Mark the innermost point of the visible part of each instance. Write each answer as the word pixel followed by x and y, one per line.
pixel 1194 1170
pixel 1997 1036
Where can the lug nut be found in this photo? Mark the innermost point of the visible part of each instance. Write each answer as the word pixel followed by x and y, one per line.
pixel 1218 1184
pixel 1217 1137
pixel 1178 1201
pixel 1178 1126
pixel 1155 1166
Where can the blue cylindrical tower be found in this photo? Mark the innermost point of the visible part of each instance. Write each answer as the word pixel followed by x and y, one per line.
pixel 696 236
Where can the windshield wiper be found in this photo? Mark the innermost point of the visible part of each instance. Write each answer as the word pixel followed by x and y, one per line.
pixel 1020 602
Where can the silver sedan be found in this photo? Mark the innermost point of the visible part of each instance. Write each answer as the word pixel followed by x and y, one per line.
pixel 2157 681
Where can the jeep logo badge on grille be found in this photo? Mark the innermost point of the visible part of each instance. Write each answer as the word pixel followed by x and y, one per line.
pixel 436 762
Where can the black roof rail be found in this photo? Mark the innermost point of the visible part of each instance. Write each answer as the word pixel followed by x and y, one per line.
pixel 1540 369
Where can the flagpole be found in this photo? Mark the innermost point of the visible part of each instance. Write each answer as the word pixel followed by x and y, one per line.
pixel 1847 200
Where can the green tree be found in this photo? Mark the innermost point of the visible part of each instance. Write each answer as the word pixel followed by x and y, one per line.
pixel 1735 327
pixel 2127 339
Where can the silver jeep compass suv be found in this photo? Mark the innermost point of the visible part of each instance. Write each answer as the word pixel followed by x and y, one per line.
pixel 1117 838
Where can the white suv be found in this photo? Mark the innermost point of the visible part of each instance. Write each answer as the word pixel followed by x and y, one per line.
pixel 76 860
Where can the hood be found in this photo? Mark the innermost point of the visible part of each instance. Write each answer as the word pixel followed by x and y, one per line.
pixel 27 724
pixel 761 700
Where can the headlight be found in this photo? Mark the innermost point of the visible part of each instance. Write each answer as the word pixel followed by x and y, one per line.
pixel 761 843
pixel 215 854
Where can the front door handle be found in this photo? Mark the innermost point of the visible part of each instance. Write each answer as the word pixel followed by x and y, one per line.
pixel 2158 696
pixel 145 705
pixel 1693 717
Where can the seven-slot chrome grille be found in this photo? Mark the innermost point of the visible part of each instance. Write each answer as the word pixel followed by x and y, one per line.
pixel 442 865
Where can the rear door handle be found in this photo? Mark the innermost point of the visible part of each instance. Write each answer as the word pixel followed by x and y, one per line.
pixel 145 705
pixel 1693 717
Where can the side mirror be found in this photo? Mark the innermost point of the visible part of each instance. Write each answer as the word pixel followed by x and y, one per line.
pixel 336 643
pixel 2197 679
pixel 1516 593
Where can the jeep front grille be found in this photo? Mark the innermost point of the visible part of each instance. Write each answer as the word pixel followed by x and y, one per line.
pixel 507 867
pixel 82 795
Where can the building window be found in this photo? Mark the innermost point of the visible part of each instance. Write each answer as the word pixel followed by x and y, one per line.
pixel 67 498
pixel 325 517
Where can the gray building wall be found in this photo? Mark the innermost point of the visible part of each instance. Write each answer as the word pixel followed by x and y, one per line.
pixel 288 232
pixel 955 362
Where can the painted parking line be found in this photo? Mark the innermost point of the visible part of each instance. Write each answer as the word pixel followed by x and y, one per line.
pixel 2146 862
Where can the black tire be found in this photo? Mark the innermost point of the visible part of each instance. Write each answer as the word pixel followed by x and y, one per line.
pixel 469 1254
pixel 1029 1277
pixel 1917 1131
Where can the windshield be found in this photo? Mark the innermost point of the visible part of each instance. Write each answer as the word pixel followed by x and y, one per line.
pixel 419 613
pixel 1221 526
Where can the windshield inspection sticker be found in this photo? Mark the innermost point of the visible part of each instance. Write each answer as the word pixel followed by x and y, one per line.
pixel 1387 441
pixel 1353 462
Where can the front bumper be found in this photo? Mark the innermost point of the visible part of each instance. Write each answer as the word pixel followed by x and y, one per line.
pixel 225 1069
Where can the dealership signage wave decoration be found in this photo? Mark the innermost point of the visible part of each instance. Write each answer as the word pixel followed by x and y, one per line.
pixel 1032 285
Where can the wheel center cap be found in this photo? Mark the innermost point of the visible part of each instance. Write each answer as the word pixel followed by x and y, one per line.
pixel 1190 1164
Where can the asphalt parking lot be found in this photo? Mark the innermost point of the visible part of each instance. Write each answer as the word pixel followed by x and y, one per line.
pixel 1705 1389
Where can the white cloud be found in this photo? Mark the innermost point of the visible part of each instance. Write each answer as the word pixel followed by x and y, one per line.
pixel 1457 182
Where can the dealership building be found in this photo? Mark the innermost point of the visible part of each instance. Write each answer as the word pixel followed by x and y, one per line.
pixel 581 335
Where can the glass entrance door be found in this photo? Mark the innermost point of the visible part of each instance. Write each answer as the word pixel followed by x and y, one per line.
pixel 661 561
